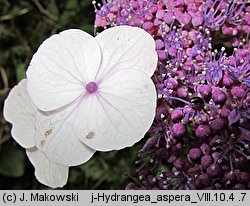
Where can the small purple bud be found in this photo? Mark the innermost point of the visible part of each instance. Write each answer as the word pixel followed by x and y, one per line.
pixel 195 154
pixel 172 83
pixel 206 161
pixel 216 156
pixel 168 17
pixel 204 90
pixel 203 180
pixel 214 171
pixel 237 92
pixel 203 131
pixel 153 9
pixel 224 112
pixel 227 81
pixel 219 96
pixel 179 164
pixel 178 130
pixel 197 19
pixel 177 115
pixel 186 19
pixel 148 25
pixel 160 13
pixel 161 54
pixel 149 17
pixel 205 148
pixel 217 124
pixel 159 44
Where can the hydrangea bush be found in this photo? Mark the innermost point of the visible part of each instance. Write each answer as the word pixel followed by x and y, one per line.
pixel 201 133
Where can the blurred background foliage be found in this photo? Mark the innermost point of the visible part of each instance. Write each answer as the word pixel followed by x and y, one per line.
pixel 23 27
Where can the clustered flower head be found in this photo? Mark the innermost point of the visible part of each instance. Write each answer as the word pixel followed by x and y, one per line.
pixel 200 138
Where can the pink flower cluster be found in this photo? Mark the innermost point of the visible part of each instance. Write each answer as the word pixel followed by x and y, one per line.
pixel 200 138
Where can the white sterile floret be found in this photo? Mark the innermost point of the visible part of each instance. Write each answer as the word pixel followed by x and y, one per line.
pixel 83 94
pixel 21 112
pixel 102 86
pixel 47 172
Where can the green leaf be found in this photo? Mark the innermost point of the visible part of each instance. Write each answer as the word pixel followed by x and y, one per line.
pixel 20 72
pixel 12 160
pixel 189 130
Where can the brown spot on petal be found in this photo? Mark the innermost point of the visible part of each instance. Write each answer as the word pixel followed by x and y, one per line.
pixel 42 143
pixel 48 132
pixel 90 135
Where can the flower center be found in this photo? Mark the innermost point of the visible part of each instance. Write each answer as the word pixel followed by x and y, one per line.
pixel 91 87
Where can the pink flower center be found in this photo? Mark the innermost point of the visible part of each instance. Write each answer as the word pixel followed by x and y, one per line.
pixel 91 87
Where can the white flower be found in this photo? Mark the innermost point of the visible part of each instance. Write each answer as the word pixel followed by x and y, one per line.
pixel 91 94
pixel 21 112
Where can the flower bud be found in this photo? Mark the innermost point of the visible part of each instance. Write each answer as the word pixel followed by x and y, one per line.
pixel 204 90
pixel 179 164
pixel 176 115
pixel 237 92
pixel 203 131
pixel 195 154
pixel 217 124
pixel 205 148
pixel 214 171
pixel 178 130
pixel 203 180
pixel 219 96
pixel 206 161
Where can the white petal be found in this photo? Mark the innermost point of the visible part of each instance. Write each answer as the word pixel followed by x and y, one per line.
pixel 47 172
pixel 61 67
pixel 119 114
pixel 20 111
pixel 126 47
pixel 55 136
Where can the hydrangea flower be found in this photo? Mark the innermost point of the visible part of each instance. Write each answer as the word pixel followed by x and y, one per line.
pixel 83 94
